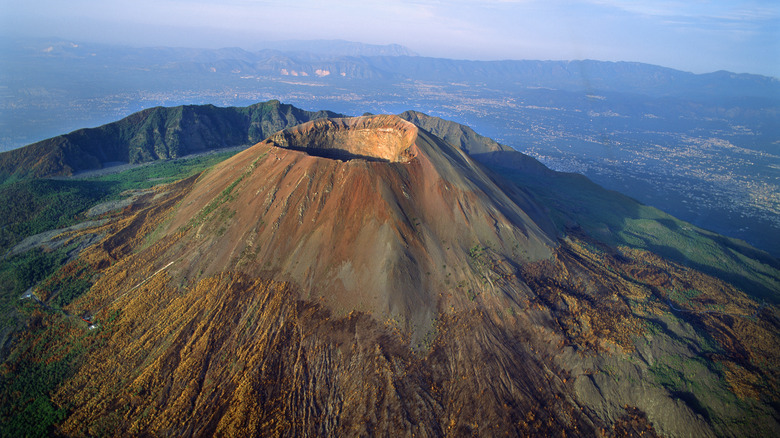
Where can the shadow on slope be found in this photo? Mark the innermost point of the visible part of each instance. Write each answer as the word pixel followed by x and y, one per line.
pixel 159 133
pixel 575 202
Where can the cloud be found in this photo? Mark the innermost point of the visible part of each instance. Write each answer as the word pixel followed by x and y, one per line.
pixel 746 13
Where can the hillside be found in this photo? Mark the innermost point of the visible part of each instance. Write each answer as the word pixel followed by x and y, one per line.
pixel 577 204
pixel 153 134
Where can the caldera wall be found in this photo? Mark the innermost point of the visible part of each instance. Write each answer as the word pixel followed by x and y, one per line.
pixel 372 138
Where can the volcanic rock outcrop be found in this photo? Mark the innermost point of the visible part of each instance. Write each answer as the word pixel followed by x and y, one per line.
pixel 380 138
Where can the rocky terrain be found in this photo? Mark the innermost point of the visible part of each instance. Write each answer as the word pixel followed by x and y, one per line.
pixel 362 276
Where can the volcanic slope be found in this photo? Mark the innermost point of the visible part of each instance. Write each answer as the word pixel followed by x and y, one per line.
pixel 574 202
pixel 361 277
pixel 366 213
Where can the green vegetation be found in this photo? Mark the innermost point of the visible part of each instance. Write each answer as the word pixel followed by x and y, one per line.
pixel 161 172
pixel 50 351
pixel 34 206
pixel 29 268
pixel 29 207
pixel 697 380
pixel 19 273
pixel 32 374
pixel 617 220
pixel 63 283
pixel 476 252
pixel 683 296
pixel 150 135
pixel 222 198
pixel 481 265
pixel 71 285
pixel 699 384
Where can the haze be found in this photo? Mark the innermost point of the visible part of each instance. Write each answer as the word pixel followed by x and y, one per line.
pixel 698 36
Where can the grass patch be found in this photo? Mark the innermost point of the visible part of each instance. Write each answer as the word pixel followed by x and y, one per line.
pixel 683 296
pixel 224 197
pixel 162 172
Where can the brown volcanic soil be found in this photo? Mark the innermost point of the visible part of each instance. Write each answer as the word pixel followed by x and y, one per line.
pixel 384 237
pixel 285 293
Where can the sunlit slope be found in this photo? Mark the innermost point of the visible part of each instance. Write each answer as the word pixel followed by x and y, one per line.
pixel 381 227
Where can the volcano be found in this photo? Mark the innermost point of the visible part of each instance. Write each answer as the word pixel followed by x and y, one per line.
pixel 367 214
pixel 363 277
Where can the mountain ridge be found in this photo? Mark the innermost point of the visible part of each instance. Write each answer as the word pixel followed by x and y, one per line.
pixel 573 75
pixel 675 239
pixel 152 134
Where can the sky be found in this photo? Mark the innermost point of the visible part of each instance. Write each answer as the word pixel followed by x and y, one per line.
pixel 693 35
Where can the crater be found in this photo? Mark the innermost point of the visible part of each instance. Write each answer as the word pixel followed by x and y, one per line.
pixel 381 138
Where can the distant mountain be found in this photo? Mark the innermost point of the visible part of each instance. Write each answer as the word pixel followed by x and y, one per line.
pixel 337 48
pixel 153 134
pixel 57 48
pixel 350 60
pixel 581 75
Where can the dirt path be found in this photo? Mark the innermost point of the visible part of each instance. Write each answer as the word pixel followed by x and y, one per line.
pixel 117 167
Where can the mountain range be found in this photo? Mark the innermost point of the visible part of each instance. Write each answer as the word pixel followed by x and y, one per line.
pixel 377 275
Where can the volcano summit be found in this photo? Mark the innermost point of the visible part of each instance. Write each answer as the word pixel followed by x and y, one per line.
pixel 367 214
pixel 363 277
pixel 377 138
